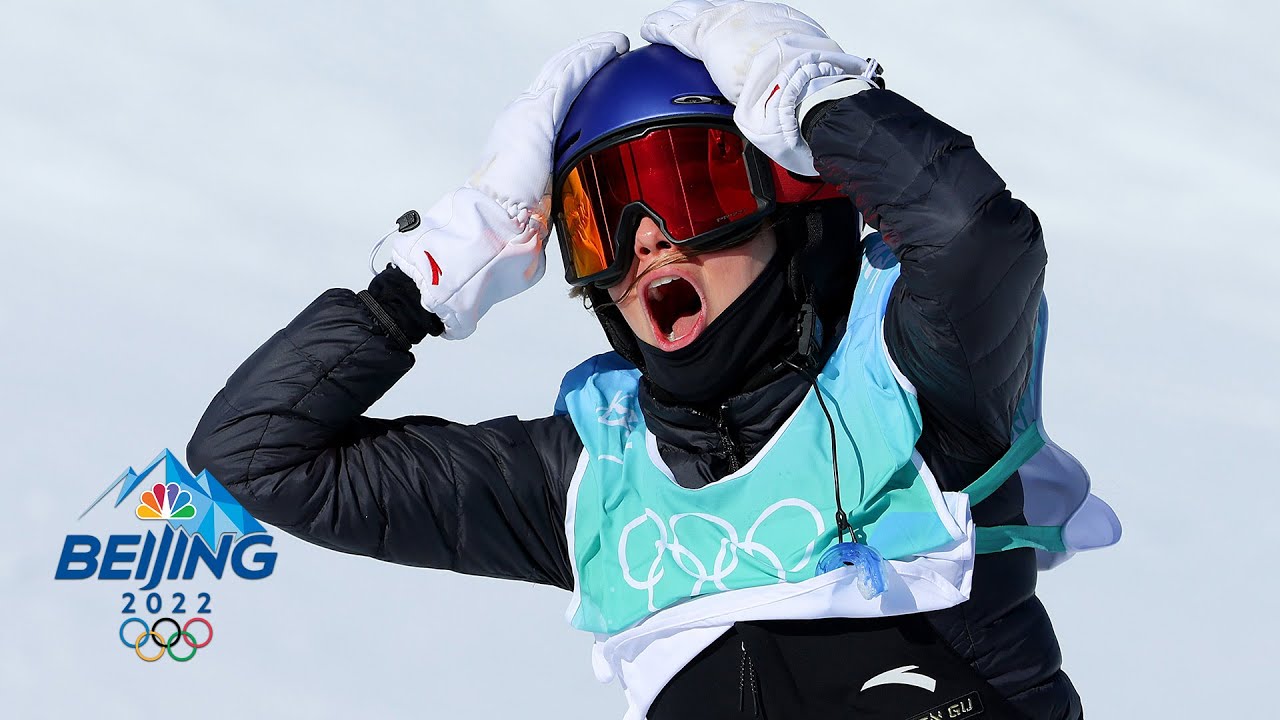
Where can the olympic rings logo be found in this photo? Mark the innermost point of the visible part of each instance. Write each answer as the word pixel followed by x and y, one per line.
pixel 726 555
pixel 151 632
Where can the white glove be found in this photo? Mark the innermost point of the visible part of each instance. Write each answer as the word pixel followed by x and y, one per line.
pixel 767 59
pixel 484 242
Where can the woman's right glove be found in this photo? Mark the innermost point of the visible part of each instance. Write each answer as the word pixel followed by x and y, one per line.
pixel 484 242
pixel 771 61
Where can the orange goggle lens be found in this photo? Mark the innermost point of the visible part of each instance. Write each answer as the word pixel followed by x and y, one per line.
pixel 694 179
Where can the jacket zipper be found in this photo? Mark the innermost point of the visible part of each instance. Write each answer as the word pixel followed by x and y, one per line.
pixel 726 437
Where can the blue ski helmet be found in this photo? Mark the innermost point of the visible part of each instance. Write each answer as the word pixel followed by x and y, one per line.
pixel 652 85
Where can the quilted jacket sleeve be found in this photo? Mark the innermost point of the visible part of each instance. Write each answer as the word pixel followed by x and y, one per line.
pixel 960 323
pixel 288 438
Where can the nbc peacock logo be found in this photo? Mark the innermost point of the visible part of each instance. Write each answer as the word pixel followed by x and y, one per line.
pixel 165 502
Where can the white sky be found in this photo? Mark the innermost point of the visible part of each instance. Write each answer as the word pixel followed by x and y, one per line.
pixel 177 180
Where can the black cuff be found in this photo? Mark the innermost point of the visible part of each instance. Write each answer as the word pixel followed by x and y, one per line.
pixel 814 115
pixel 399 298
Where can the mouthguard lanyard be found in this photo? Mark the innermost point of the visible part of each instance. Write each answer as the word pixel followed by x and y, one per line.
pixel 865 560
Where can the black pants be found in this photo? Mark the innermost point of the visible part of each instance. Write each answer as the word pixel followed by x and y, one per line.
pixel 879 669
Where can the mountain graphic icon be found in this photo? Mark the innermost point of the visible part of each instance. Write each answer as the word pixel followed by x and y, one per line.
pixel 216 511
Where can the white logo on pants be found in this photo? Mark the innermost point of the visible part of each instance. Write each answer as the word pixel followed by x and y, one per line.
pixel 902 676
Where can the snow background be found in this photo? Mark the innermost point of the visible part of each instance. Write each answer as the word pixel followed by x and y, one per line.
pixel 177 180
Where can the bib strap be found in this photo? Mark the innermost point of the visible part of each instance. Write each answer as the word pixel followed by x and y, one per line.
pixel 1027 445
pixel 1010 537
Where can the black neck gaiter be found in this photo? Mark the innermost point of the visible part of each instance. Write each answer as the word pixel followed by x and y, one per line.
pixel 737 346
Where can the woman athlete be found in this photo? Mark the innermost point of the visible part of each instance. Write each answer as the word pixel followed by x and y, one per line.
pixel 810 479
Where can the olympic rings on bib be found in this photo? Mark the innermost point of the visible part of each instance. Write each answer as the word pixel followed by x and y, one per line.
pixel 167 643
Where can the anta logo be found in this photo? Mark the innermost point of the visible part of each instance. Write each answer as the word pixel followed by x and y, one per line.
pixel 902 676
pixel 968 706
pixel 435 269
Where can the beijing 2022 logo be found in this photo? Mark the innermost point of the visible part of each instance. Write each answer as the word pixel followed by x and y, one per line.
pixel 190 522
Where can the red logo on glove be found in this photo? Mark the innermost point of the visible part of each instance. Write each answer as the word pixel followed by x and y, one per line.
pixel 435 269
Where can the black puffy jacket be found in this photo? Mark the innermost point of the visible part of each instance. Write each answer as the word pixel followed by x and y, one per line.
pixel 287 435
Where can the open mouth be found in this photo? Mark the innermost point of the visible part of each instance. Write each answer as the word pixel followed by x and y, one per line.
pixel 675 308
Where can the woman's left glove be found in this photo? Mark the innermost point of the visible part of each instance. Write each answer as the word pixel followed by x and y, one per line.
pixel 773 62
pixel 484 242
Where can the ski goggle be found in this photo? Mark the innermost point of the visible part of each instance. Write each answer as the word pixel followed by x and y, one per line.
pixel 702 185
